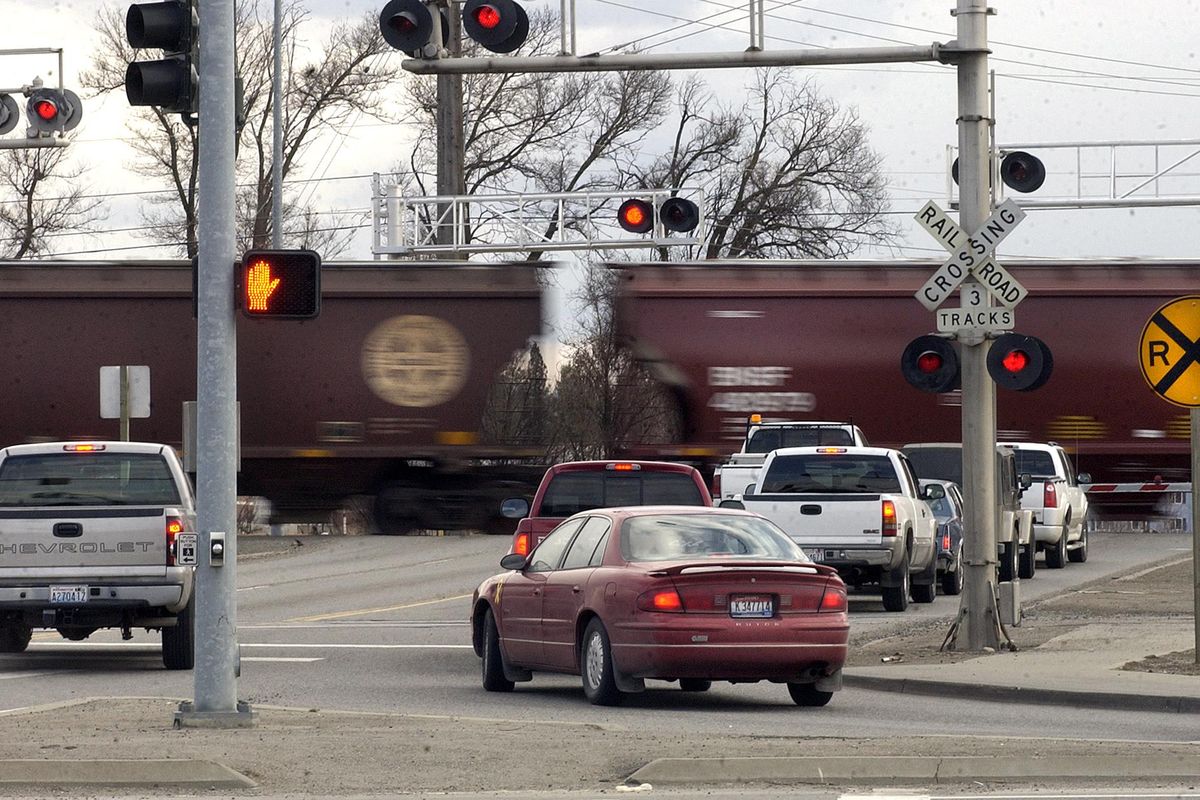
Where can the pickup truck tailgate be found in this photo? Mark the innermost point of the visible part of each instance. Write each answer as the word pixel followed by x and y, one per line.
pixel 62 537
pixel 824 519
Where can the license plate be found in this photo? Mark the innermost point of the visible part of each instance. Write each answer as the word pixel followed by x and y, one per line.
pixel 752 605
pixel 814 555
pixel 68 594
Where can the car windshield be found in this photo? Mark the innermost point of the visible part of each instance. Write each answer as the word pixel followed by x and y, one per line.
pixel 572 492
pixel 79 479
pixel 764 440
pixel 669 537
pixel 830 473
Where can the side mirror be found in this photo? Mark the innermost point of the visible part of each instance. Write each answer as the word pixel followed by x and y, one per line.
pixel 1084 477
pixel 513 561
pixel 732 504
pixel 514 508
pixel 933 491
pixel 1026 480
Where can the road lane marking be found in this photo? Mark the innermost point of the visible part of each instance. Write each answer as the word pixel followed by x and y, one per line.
pixel 283 659
pixel 17 675
pixel 328 626
pixel 361 611
pixel 310 646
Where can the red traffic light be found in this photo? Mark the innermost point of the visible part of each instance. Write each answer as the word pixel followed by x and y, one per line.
pixel 1019 362
pixel 280 284
pixel 499 25
pixel 487 17
pixel 45 108
pixel 636 216
pixel 930 363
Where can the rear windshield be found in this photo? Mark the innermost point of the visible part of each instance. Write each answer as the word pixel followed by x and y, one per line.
pixel 764 440
pixel 941 464
pixel 81 479
pixel 827 473
pixel 670 537
pixel 572 492
pixel 1037 463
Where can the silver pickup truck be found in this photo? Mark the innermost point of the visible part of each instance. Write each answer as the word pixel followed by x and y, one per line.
pixel 89 533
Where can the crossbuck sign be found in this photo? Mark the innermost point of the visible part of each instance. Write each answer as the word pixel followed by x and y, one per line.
pixel 971 255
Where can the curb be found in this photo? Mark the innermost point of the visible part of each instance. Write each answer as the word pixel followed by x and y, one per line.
pixel 117 772
pixel 1114 701
pixel 913 769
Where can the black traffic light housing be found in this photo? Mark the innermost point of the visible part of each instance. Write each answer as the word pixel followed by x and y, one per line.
pixel 53 111
pixel 169 83
pixel 1019 362
pixel 498 25
pixel 930 363
pixel 407 25
pixel 10 113
pixel 1022 172
pixel 280 284
pixel 676 214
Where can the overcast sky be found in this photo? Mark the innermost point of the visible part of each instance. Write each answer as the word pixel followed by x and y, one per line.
pixel 1066 71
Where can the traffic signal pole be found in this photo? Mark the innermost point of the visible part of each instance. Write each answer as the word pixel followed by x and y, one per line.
pixel 450 146
pixel 216 663
pixel 979 608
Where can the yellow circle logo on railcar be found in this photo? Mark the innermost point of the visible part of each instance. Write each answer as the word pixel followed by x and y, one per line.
pixel 415 361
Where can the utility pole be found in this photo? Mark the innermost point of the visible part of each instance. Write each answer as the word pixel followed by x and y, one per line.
pixel 978 390
pixel 450 155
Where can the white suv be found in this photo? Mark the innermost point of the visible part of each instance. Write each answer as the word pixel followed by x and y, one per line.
pixel 1058 503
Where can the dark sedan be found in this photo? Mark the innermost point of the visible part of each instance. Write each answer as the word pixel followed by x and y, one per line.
pixel 674 593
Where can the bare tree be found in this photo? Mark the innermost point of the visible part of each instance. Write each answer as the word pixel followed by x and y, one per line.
pixel 40 197
pixel 321 96
pixel 518 407
pixel 787 174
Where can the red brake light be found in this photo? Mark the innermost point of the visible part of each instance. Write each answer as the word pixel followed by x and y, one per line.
pixel 660 600
pixel 929 362
pixel 889 518
pixel 83 448
pixel 487 17
pixel 1050 496
pixel 623 466
pixel 521 546
pixel 945 541
pixel 831 450
pixel 174 528
pixel 834 599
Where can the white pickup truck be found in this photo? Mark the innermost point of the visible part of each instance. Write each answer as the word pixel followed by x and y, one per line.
pixel 1058 503
pixel 857 509
pixel 90 537
pixel 731 478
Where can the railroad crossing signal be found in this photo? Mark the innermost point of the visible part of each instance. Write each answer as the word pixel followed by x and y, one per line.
pixel 1019 362
pixel 930 363
pixel 971 255
pixel 280 284
pixel 10 113
pixel 1169 353
pixel 676 214
pixel 52 111
pixel 408 25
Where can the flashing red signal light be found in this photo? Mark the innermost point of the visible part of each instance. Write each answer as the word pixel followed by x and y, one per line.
pixel 636 216
pixel 53 111
pixel 1015 360
pixel 280 284
pixel 45 109
pixel 487 17
pixel 1019 362
pixel 930 363
pixel 499 25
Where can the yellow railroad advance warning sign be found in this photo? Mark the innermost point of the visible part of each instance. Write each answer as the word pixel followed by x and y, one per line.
pixel 1170 351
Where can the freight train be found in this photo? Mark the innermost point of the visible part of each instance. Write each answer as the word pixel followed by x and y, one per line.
pixel 823 341
pixel 385 394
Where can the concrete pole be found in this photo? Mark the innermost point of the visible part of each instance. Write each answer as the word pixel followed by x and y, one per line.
pixel 216 665
pixel 450 178
pixel 1195 420
pixel 277 134
pixel 978 390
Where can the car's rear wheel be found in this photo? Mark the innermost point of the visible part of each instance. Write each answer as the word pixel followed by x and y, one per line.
pixel 14 637
pixel 807 694
pixel 895 598
pixel 1079 554
pixel 1056 556
pixel 493 658
pixel 924 588
pixel 694 684
pixel 1028 564
pixel 596 666
pixel 179 650
pixel 1008 561
pixel 952 582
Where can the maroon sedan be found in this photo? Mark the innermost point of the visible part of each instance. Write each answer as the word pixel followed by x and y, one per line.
pixel 619 595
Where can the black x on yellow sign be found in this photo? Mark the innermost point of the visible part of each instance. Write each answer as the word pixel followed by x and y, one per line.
pixel 1170 351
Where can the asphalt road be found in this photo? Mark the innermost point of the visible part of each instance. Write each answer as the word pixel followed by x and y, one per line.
pixel 379 624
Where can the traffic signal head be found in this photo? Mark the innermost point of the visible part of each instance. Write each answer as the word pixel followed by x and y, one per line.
pixel 280 284
pixel 10 113
pixel 676 214
pixel 170 82
pixel 1018 362
pixel 53 111
pixel 499 25
pixel 930 363
pixel 1022 172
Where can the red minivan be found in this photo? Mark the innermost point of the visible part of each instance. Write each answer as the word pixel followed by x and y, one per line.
pixel 576 486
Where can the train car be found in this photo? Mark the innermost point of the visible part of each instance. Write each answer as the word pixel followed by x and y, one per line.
pixel 383 394
pixel 823 341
